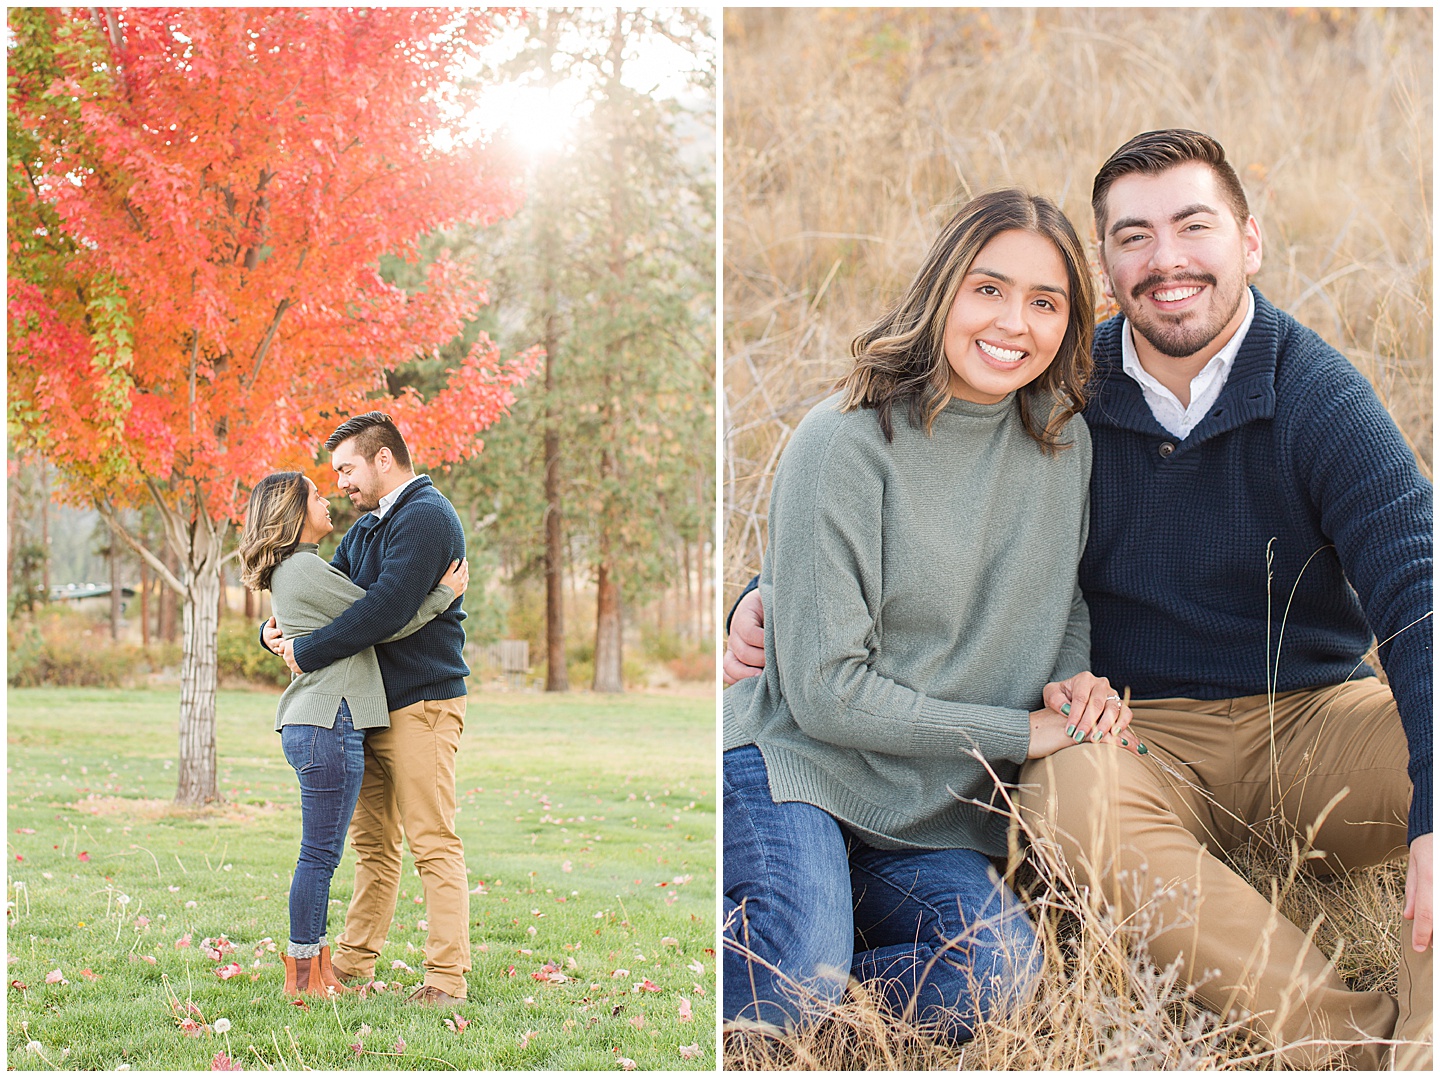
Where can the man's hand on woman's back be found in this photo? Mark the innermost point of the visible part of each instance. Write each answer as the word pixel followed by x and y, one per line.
pixel 745 649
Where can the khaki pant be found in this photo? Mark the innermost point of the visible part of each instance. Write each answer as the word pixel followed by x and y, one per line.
pixel 1142 832
pixel 409 784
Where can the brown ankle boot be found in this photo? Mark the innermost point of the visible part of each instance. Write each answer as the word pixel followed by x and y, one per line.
pixel 302 976
pixel 327 972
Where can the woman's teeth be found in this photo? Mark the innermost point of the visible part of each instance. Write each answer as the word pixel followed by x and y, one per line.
pixel 1004 355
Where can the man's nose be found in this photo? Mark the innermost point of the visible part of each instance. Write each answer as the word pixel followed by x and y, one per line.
pixel 1167 253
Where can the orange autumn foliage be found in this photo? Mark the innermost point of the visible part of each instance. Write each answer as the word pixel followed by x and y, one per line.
pixel 199 199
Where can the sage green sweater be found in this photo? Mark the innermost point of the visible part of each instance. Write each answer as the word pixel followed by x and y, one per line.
pixel 307 592
pixel 918 596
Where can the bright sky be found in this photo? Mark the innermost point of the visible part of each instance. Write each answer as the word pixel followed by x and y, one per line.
pixel 540 119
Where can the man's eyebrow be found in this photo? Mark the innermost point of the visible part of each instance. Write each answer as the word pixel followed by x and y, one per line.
pixel 1175 218
pixel 1005 278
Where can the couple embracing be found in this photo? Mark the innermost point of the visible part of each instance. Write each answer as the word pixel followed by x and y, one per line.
pixel 371 720
pixel 1005 523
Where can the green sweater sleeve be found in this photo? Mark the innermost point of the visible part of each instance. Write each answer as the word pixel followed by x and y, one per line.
pixel 1075 651
pixel 440 598
pixel 312 593
pixel 826 548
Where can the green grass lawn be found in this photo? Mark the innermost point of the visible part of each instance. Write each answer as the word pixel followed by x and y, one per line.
pixel 589 831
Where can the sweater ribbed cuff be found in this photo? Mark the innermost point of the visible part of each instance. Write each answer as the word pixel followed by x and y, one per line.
pixel 999 733
pixel 1422 802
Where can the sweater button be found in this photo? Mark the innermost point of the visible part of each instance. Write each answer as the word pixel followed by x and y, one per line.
pixel 1166 448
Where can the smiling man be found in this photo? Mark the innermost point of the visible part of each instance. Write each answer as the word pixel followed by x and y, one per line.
pixel 397 552
pixel 1255 518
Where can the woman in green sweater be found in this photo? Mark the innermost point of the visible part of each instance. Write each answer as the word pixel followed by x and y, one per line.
pixel 323 714
pixel 924 636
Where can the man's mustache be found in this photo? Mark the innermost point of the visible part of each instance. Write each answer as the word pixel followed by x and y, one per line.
pixel 1155 281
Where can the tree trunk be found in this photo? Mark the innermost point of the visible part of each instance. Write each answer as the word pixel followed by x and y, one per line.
pixel 197 783
pixel 197 543
pixel 685 633
pixel 114 559
pixel 705 633
pixel 557 675
pixel 45 530
pixel 144 605
pixel 609 664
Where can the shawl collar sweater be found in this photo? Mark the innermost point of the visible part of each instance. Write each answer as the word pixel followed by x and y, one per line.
pixel 919 594
pixel 1262 551
pixel 398 560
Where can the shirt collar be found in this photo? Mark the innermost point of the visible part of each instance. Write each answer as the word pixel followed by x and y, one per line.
pixel 390 499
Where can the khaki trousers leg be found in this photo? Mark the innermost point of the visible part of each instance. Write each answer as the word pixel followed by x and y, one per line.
pixel 375 837
pixel 1143 832
pixel 414 762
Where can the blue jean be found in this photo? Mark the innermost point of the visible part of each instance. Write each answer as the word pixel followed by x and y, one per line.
pixel 330 764
pixel 808 904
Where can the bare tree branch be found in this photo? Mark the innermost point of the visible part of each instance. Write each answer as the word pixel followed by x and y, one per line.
pixel 113 519
pixel 264 346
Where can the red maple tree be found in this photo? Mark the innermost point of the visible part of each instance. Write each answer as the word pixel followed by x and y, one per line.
pixel 198 200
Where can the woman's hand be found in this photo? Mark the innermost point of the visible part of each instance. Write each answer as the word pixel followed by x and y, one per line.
pixel 1084 706
pixel 457 577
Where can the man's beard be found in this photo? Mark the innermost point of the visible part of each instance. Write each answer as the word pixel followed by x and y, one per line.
pixel 1176 339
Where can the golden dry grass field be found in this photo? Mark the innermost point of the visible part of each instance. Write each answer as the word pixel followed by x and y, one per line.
pixel 850 135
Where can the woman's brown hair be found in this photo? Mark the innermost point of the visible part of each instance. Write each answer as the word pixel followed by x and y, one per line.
pixel 901 358
pixel 273 522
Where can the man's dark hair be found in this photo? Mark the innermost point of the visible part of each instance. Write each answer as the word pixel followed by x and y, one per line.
pixel 372 432
pixel 1155 151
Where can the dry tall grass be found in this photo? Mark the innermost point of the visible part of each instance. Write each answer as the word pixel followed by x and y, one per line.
pixel 849 136
pixel 1101 1003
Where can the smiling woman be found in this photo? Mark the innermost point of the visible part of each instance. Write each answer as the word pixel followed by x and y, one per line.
pixel 937 504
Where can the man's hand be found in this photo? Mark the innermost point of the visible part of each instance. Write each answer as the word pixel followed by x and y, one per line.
pixel 745 650
pixel 1419 881
pixel 287 652
pixel 272 635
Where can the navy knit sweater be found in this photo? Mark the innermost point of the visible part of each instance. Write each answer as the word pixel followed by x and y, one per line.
pixel 398 560
pixel 1297 474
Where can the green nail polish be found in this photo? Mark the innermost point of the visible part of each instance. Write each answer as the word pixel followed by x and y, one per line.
pixel 1125 741
pixel 1096 736
pixel 1079 736
pixel 1143 749
pixel 1070 731
pixel 1065 710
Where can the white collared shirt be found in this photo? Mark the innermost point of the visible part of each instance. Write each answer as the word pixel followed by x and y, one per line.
pixel 1205 387
pixel 389 499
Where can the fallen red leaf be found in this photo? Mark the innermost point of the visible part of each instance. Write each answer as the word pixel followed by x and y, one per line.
pixel 19 986
pixel 83 855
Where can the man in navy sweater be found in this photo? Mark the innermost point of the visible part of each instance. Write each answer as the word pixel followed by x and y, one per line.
pixel 1255 518
pixel 397 552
